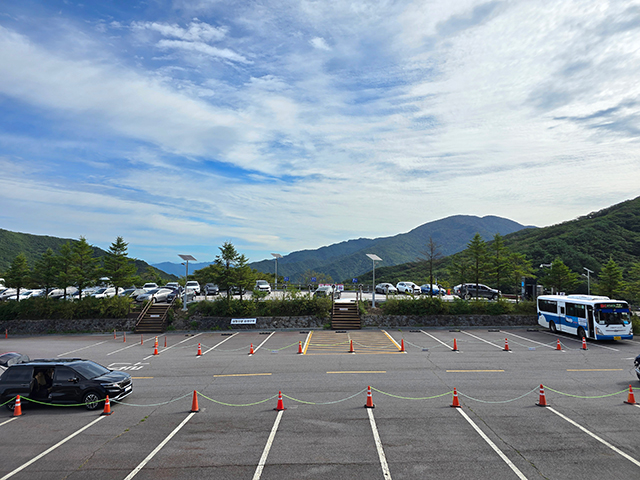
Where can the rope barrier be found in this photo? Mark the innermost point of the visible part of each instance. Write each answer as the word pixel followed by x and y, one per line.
pixel 152 404
pixel 499 401
pixel 236 404
pixel 326 403
pixel 450 392
pixel 587 397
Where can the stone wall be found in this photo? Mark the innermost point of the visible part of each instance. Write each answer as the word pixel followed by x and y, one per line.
pixel 448 320
pixel 29 327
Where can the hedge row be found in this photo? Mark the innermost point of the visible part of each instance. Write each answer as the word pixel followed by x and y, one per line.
pixel 293 307
pixel 46 308
pixel 435 306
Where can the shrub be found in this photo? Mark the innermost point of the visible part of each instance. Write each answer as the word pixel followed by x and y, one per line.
pixel 294 306
pixel 46 308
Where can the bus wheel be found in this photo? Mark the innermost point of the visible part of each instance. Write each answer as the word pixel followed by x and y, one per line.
pixel 552 326
pixel 581 333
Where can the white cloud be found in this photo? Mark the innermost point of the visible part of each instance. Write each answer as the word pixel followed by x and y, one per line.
pixel 201 47
pixel 319 43
pixel 196 31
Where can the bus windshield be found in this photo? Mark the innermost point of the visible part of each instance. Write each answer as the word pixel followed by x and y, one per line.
pixel 612 315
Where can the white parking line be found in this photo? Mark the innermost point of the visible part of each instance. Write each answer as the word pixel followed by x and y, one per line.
pixel 265 341
pixel 506 460
pixel 437 340
pixel 383 459
pixel 511 334
pixel 135 471
pixel 485 341
pixel 392 339
pixel 10 420
pixel 580 341
pixel 121 349
pixel 217 345
pixel 83 348
pixel 604 442
pixel 169 348
pixel 49 450
pixel 267 447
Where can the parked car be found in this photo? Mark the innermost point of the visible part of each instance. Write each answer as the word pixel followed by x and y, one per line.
pixel 326 291
pixel 386 288
pixel 7 293
pixel 149 286
pixel 172 285
pixel 103 292
pixel 211 289
pixel 262 286
pixel 432 289
pixel 468 291
pixel 409 288
pixel 191 295
pixel 59 292
pixel 24 294
pixel 636 362
pixel 193 285
pixel 157 295
pixel 11 358
pixel 63 381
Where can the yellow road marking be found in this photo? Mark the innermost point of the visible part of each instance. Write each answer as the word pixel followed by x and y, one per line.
pixel 391 338
pixel 362 371
pixel 594 369
pixel 308 342
pixel 473 371
pixel 243 375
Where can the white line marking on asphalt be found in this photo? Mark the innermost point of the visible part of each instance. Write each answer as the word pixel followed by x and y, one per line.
pixel 49 450
pixel 267 447
pixel 83 348
pixel 121 349
pixel 159 447
pixel 218 344
pixel 306 341
pixel 392 339
pixel 580 341
pixel 10 420
pixel 506 460
pixel 169 348
pixel 485 341
pixel 383 459
pixel 604 442
pixel 437 340
pixel 265 341
pixel 534 341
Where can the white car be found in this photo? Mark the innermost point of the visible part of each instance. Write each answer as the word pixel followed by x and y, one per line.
pixel 149 286
pixel 7 293
pixel 262 286
pixel 386 288
pixel 103 292
pixel 193 285
pixel 409 288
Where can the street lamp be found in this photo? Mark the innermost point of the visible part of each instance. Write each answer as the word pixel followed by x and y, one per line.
pixel 276 256
pixel 588 275
pixel 542 265
pixel 187 259
pixel 374 258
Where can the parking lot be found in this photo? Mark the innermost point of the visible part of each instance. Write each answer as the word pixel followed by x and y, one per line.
pixel 325 432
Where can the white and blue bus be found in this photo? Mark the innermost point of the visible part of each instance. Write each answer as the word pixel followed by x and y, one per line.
pixel 588 316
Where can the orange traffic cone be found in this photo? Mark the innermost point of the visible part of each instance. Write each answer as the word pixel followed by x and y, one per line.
pixel 141 340
pixel 631 399
pixel 6 333
pixel 584 343
pixel 251 349
pixel 506 345
pixel 456 402
pixel 194 403
pixel 558 346
pixel 543 399
pixel 17 409
pixel 124 337
pixel 107 407
pixel 369 403
pixel 155 349
pixel 156 342
pixel 402 345
pixel 165 341
pixel 455 345
pixel 300 347
pixel 351 350
pixel 280 405
pixel 114 333
pixel 199 350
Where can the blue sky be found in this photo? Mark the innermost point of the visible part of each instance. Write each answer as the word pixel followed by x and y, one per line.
pixel 288 125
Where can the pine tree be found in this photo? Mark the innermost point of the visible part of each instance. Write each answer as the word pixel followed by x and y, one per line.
pixel 118 266
pixel 83 265
pixel 519 267
pixel 19 274
pixel 45 271
pixel 499 259
pixel 477 252
pixel 63 267
pixel 610 279
pixel 560 277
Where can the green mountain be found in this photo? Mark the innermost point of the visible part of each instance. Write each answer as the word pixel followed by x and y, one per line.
pixel 33 246
pixel 587 241
pixel 348 259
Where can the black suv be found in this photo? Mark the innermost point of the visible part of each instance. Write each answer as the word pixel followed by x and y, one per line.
pixel 65 381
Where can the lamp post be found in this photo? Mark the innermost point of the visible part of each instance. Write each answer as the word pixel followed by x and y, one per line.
pixel 276 256
pixel 374 258
pixel 588 275
pixel 542 265
pixel 187 259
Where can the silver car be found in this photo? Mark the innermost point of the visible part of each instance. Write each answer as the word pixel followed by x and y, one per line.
pixel 157 295
pixel 386 288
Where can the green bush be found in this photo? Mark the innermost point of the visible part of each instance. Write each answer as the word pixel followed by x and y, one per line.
pixel 435 306
pixel 292 307
pixel 46 308
pixel 635 322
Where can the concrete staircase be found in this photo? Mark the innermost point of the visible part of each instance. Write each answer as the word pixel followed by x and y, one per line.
pixel 345 316
pixel 153 317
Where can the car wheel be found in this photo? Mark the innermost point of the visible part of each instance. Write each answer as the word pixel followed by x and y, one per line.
pixel 552 326
pixel 581 333
pixel 494 296
pixel 467 296
pixel 91 400
pixel 153 299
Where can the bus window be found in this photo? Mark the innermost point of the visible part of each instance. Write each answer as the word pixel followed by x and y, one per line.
pixel 576 310
pixel 548 306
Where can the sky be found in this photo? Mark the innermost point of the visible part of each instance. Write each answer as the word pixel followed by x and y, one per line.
pixel 283 125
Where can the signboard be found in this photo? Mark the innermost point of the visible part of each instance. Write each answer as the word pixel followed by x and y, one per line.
pixel 286 279
pixel 354 280
pixel 243 321
pixel 313 279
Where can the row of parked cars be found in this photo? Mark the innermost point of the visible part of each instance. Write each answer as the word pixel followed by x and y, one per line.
pixel 464 290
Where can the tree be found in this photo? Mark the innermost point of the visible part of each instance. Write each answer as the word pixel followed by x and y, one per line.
pixel 245 278
pixel 432 253
pixel 225 273
pixel 63 267
pixel 319 277
pixel 519 266
pixel 560 277
pixel 632 286
pixel 18 275
pixel 118 266
pixel 610 280
pixel 45 271
pixel 83 265
pixel 459 267
pixel 499 258
pixel 477 251
pixel 151 275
